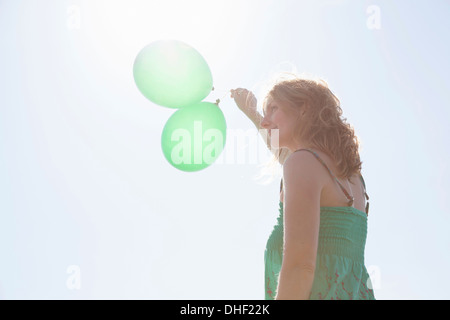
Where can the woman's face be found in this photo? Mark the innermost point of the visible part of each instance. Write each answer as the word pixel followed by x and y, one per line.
pixel 276 117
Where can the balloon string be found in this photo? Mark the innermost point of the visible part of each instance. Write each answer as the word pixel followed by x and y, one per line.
pixel 218 100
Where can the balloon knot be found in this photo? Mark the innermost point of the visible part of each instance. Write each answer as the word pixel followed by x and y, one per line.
pixel 217 101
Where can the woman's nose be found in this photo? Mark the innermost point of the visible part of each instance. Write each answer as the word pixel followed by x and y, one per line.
pixel 265 123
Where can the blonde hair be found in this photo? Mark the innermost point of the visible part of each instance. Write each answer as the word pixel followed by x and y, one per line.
pixel 322 126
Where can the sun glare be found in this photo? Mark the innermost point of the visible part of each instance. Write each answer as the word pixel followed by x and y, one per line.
pixel 137 21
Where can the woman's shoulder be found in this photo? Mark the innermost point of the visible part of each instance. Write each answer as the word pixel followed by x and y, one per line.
pixel 304 164
pixel 309 157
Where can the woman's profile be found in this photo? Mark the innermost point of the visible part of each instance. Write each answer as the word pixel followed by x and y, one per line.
pixel 316 249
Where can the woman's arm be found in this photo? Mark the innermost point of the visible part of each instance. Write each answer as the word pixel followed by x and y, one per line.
pixel 303 185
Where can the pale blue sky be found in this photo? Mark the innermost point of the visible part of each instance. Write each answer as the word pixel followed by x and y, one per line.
pixel 83 180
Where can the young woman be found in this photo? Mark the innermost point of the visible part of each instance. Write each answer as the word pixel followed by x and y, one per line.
pixel 316 251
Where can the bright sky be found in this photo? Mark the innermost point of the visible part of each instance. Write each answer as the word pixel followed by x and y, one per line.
pixel 90 208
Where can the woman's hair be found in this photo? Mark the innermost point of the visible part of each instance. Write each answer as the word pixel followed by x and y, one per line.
pixel 320 120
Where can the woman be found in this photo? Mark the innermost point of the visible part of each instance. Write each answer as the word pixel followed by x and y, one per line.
pixel 316 251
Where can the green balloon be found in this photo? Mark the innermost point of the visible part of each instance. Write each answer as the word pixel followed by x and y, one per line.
pixel 194 136
pixel 172 74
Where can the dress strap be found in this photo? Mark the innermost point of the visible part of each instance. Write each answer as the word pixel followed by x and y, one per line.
pixel 365 194
pixel 349 197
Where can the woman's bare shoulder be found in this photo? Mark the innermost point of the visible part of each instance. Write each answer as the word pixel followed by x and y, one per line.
pixel 303 165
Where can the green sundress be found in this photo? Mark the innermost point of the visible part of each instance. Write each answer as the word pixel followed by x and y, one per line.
pixel 340 271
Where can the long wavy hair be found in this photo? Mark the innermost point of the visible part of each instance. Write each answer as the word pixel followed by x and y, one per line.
pixel 321 125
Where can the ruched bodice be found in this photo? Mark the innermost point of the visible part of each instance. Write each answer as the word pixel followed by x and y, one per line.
pixel 343 231
pixel 340 272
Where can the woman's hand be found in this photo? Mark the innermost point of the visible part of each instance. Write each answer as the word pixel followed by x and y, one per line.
pixel 245 100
